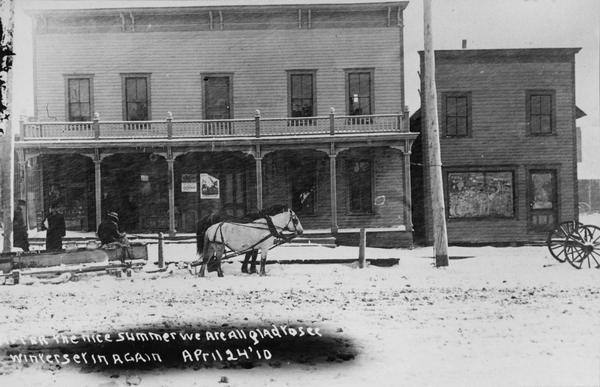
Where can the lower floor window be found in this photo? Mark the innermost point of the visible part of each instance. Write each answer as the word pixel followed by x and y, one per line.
pixel 481 194
pixel 360 185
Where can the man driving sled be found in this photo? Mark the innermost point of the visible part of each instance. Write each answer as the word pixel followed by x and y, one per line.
pixel 109 235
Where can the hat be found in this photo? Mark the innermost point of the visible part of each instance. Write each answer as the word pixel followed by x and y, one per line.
pixel 113 215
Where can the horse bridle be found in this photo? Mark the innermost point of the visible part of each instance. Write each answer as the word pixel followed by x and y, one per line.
pixel 294 220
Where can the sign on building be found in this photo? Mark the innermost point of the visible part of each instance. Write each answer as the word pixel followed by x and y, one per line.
pixel 209 186
pixel 189 183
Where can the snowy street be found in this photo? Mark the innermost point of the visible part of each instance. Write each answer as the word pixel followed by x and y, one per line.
pixel 508 316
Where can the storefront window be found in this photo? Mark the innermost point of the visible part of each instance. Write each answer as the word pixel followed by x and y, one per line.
pixel 480 194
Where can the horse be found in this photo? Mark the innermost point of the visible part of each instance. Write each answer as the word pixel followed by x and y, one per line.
pixel 240 237
pixel 213 218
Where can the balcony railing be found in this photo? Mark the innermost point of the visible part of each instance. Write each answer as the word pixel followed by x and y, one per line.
pixel 179 129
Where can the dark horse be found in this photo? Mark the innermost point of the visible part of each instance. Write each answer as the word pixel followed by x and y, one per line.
pixel 215 217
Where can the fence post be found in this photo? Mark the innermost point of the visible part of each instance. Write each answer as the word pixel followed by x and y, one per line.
pixel 257 122
pixel 96 125
pixel 169 125
pixel 406 119
pixel 161 258
pixel 332 121
pixel 361 248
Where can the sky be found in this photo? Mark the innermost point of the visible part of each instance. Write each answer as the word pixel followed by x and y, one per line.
pixel 485 24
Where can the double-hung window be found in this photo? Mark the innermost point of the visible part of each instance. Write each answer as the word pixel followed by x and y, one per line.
pixel 359 94
pixel 456 114
pixel 136 99
pixel 79 98
pixel 540 109
pixel 302 96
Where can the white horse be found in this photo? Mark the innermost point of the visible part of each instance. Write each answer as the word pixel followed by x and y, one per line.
pixel 242 237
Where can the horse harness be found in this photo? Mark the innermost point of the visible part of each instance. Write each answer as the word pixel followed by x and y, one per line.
pixel 272 233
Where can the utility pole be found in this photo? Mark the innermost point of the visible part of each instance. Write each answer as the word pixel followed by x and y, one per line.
pixel 6 139
pixel 440 235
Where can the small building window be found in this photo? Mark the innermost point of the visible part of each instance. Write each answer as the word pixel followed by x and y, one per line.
pixel 136 97
pixel 301 90
pixel 456 116
pixel 360 186
pixel 79 99
pixel 480 194
pixel 540 112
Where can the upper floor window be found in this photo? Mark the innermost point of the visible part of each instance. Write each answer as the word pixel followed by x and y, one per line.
pixel 79 98
pixel 301 90
pixel 136 97
pixel 360 92
pixel 456 114
pixel 540 111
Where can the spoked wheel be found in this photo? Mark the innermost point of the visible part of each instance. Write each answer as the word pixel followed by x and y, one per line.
pixel 561 240
pixel 586 247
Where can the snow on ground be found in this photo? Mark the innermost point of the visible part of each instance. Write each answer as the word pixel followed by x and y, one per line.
pixel 496 317
pixel 509 316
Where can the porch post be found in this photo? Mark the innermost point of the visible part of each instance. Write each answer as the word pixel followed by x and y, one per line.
pixel 98 188
pixel 407 189
pixel 21 158
pixel 259 183
pixel 171 185
pixel 333 189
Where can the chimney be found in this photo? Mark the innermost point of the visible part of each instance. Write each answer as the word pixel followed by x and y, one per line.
pixel 464 43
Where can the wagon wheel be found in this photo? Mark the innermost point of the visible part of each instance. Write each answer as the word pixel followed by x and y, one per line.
pixel 560 240
pixel 586 247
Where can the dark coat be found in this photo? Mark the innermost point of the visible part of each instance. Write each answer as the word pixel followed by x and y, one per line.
pixel 56 231
pixel 20 237
pixel 108 231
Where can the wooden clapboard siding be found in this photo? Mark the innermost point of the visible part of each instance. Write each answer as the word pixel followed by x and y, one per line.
pixel 498 81
pixel 258 60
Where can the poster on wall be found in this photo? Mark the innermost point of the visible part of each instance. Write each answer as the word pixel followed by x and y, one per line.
pixel 209 187
pixel 189 183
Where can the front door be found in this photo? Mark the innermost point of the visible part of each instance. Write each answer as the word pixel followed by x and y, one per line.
pixel 542 200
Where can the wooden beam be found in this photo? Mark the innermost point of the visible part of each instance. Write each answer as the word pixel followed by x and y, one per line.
pixel 440 235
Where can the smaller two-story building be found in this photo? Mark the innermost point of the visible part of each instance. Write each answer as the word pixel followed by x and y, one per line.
pixel 508 144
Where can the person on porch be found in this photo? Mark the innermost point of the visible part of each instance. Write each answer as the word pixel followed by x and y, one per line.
pixel 20 236
pixel 55 226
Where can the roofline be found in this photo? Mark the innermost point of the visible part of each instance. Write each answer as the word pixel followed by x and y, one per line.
pixel 504 52
pixel 191 9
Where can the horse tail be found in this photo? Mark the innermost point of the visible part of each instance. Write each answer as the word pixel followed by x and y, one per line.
pixel 205 248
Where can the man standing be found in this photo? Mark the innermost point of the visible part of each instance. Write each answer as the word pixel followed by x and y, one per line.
pixel 20 237
pixel 55 224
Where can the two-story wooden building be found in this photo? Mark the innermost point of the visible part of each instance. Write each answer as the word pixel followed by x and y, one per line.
pixel 164 114
pixel 508 144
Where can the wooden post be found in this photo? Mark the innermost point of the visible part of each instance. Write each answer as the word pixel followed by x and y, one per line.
pixel 161 258
pixel 96 125
pixel 169 125
pixel 98 187
pixel 333 189
pixel 332 121
pixel 362 247
pixel 7 144
pixel 257 123
pixel 171 188
pixel 259 178
pixel 440 236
